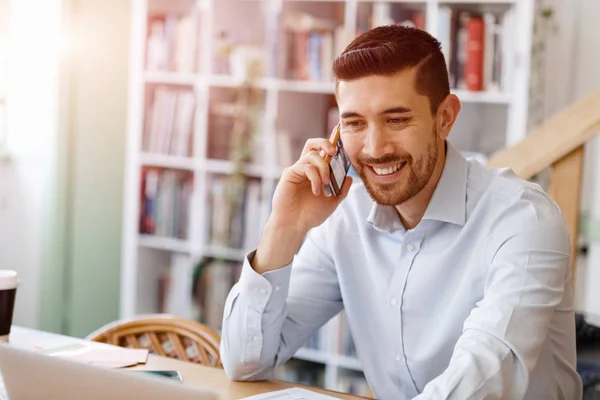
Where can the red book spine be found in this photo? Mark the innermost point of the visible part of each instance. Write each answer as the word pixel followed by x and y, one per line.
pixel 474 65
pixel 302 55
pixel 419 20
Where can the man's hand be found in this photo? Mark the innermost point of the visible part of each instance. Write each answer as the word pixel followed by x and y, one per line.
pixel 298 205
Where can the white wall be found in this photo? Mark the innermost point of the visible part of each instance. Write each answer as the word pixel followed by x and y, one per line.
pixel 61 192
pixel 586 73
pixel 21 194
pixel 32 127
pixel 573 71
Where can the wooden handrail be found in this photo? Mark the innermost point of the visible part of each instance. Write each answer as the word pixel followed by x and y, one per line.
pixel 552 140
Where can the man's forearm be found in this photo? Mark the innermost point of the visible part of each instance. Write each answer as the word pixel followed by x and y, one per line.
pixel 247 350
pixel 277 247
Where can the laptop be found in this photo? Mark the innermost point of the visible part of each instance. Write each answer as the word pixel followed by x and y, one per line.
pixel 31 375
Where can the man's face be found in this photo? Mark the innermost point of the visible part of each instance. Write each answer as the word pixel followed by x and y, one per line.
pixel 390 135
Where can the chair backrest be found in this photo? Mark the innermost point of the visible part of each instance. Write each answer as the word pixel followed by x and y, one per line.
pixel 164 335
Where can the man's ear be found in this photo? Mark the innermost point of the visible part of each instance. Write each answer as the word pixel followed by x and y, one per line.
pixel 446 115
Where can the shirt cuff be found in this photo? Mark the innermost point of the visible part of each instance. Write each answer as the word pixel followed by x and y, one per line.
pixel 265 292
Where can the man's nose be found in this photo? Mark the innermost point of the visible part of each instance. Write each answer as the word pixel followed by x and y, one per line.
pixel 377 144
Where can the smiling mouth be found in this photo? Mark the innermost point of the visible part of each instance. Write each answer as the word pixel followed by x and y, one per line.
pixel 388 170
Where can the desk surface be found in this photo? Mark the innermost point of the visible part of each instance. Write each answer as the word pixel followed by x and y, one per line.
pixel 191 373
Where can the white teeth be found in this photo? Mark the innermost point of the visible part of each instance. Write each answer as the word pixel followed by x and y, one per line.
pixel 387 171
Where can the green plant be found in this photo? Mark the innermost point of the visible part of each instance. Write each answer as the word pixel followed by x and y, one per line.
pixel 246 116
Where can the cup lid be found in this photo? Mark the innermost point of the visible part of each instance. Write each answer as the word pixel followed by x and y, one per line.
pixel 8 279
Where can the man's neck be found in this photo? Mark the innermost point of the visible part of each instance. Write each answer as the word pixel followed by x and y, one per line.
pixel 412 211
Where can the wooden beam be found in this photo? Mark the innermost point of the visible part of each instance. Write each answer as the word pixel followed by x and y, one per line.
pixel 553 139
pixel 565 188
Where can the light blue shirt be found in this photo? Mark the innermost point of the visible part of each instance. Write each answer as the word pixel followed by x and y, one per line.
pixel 475 302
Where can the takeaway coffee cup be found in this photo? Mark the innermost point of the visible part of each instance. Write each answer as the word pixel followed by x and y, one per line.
pixel 9 281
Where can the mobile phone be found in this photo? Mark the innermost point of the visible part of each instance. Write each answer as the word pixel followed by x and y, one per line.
pixel 168 374
pixel 339 165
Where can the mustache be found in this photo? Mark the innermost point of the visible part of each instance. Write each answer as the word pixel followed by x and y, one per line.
pixel 387 159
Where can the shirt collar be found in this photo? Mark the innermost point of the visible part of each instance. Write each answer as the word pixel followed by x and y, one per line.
pixel 448 203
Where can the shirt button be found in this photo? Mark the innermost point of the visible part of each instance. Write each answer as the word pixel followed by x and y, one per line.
pixel 398 358
pixel 263 291
pixel 410 247
pixel 255 338
pixel 394 302
pixel 277 288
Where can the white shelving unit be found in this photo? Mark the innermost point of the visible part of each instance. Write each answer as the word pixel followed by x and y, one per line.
pixel 299 108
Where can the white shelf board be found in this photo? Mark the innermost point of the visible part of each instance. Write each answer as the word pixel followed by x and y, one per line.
pixel 173 78
pixel 467 96
pixel 442 2
pixel 396 1
pixel 318 356
pixel 227 167
pixel 164 243
pixel 305 86
pixel 360 1
pixel 322 357
pixel 348 362
pixel 228 81
pixel 274 173
pixel 168 161
pixel 316 87
pixel 314 1
pixel 225 253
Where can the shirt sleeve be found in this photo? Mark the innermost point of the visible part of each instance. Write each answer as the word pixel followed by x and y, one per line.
pixel 529 257
pixel 268 317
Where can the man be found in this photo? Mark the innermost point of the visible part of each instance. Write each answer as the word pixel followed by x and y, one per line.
pixel 455 278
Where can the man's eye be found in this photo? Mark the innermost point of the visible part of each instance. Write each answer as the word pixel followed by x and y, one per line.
pixel 396 120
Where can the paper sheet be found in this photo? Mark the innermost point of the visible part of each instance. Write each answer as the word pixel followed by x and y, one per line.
pixel 291 394
pixel 100 355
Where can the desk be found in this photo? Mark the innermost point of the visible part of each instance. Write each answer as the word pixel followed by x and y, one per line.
pixel 191 373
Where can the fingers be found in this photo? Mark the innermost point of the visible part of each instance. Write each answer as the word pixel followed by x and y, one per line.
pixel 299 173
pixel 319 162
pixel 315 180
pixel 318 144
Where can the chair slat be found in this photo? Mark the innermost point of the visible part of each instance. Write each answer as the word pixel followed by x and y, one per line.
pixel 133 342
pixel 202 354
pixel 156 344
pixel 179 349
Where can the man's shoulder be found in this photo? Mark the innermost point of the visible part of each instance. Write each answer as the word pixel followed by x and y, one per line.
pixel 510 199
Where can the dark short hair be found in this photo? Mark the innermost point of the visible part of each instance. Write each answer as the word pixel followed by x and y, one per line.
pixel 386 50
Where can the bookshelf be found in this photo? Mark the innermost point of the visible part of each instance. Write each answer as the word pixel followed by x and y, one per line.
pixel 182 241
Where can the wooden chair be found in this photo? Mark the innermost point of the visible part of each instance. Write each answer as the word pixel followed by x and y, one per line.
pixel 164 335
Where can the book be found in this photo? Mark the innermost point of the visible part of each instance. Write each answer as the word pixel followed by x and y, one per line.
pixel 170 45
pixel 169 121
pixel 475 53
pixel 476 49
pixel 164 202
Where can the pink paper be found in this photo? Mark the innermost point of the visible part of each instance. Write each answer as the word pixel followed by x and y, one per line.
pixel 102 355
pixel 98 355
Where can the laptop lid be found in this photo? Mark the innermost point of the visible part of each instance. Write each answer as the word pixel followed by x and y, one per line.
pixel 31 375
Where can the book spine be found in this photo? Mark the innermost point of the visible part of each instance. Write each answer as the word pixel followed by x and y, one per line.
pixel 474 64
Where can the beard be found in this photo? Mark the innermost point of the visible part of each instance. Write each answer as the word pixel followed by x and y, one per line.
pixel 419 173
